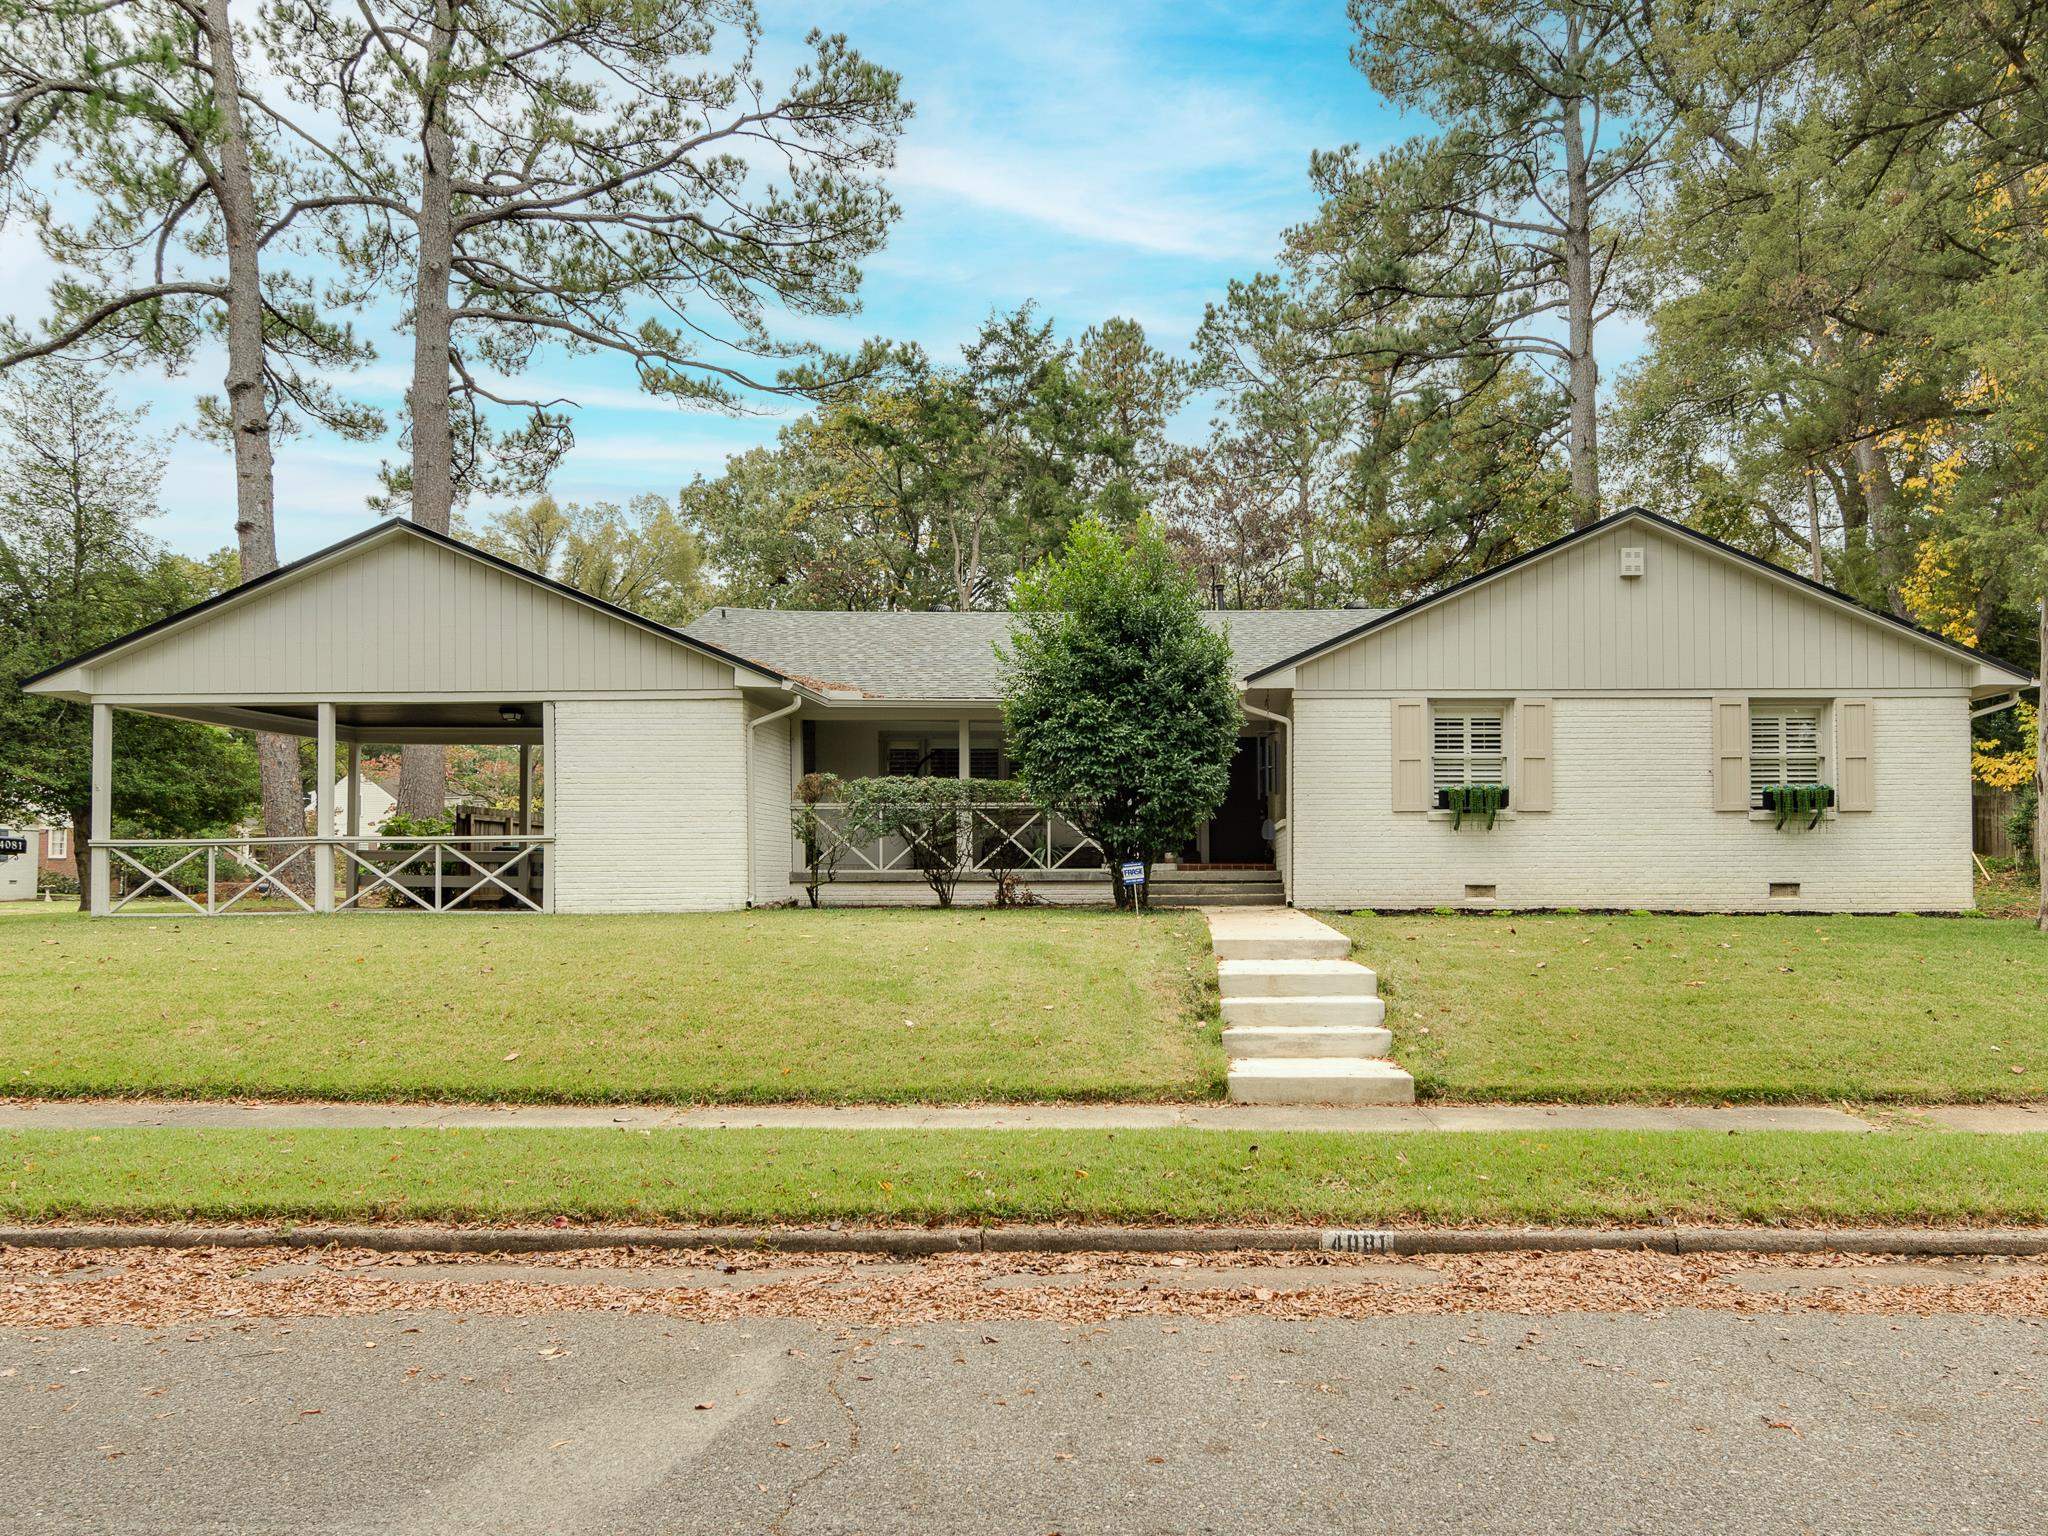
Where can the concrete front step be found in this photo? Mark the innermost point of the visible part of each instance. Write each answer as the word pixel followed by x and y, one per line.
pixel 1293 1080
pixel 1244 1042
pixel 1177 874
pixel 1295 978
pixel 1167 896
pixel 1275 935
pixel 1304 1010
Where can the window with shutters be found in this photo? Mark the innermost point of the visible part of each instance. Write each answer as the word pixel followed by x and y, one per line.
pixel 1785 747
pixel 1468 745
pixel 929 757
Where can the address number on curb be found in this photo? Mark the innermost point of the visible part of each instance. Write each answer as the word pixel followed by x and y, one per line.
pixel 1343 1240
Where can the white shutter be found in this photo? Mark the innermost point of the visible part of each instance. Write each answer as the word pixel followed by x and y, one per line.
pixel 1856 745
pixel 1410 740
pixel 1731 754
pixel 1467 746
pixel 1784 748
pixel 1446 751
pixel 1535 771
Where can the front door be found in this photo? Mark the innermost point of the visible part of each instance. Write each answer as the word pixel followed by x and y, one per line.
pixel 1235 832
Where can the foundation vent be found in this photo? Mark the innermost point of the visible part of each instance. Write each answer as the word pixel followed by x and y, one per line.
pixel 1784 890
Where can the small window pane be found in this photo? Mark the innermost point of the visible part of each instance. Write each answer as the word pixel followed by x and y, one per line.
pixel 1468 747
pixel 1784 748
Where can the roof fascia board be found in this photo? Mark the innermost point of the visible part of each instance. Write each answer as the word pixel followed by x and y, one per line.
pixel 1706 541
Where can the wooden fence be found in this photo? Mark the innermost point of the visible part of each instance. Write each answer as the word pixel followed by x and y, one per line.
pixel 1989 811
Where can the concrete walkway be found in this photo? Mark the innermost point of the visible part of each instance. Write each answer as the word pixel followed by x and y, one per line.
pixel 112 1114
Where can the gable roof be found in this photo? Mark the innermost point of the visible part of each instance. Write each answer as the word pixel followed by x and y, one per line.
pixel 952 656
pixel 2018 676
pixel 344 549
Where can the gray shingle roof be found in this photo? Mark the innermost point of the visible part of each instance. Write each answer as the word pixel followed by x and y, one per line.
pixel 906 655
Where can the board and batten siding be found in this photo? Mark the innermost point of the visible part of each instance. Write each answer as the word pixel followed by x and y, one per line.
pixel 647 805
pixel 1693 620
pixel 1633 822
pixel 408 617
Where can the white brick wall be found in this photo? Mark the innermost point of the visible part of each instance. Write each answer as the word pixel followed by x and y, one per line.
pixel 1634 824
pixel 646 805
pixel 772 842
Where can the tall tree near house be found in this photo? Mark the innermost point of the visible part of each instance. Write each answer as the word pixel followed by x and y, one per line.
pixel 77 482
pixel 1119 709
pixel 639 557
pixel 611 177
pixel 1506 234
pixel 1292 412
pixel 142 105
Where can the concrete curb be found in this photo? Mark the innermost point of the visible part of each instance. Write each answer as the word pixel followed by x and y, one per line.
pixel 918 1242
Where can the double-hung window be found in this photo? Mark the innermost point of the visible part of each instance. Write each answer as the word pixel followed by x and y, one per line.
pixel 1468 745
pixel 57 846
pixel 1784 748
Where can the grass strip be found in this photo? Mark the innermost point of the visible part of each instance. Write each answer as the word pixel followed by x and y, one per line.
pixel 1611 1008
pixel 1561 1178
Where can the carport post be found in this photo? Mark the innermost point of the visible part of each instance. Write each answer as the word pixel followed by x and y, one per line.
pixel 554 791
pixel 525 788
pixel 102 807
pixel 323 812
pixel 353 815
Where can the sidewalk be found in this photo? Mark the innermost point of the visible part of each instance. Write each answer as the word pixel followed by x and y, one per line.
pixel 112 1114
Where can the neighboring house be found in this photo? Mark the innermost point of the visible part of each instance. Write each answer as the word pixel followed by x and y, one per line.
pixel 56 856
pixel 376 802
pixel 1637 689
pixel 44 850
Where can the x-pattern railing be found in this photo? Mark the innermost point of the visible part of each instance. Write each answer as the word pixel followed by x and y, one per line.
pixel 1026 837
pixel 452 871
pixel 385 876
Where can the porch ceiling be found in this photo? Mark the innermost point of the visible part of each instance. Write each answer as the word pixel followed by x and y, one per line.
pixel 466 722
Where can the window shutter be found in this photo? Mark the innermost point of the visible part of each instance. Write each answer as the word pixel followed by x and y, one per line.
pixel 1731 754
pixel 1856 786
pixel 1535 786
pixel 1411 755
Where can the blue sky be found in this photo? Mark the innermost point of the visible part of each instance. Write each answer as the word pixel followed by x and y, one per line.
pixel 1123 157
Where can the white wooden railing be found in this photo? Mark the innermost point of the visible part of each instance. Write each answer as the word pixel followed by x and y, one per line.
pixel 1006 835
pixel 256 876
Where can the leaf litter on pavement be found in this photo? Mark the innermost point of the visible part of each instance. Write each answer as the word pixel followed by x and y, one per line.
pixel 147 1287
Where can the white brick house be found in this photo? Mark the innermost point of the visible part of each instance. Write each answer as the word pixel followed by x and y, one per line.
pixel 1635 692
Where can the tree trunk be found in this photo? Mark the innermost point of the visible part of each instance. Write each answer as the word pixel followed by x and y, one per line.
pixel 1874 479
pixel 423 770
pixel 277 756
pixel 2041 777
pixel 1584 388
pixel 81 861
pixel 1813 544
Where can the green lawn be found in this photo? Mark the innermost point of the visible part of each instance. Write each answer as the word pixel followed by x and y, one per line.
pixel 846 1006
pixel 1713 1009
pixel 925 1176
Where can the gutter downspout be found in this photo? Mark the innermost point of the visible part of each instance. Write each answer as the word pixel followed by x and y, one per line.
pixel 747 777
pixel 1995 706
pixel 1286 725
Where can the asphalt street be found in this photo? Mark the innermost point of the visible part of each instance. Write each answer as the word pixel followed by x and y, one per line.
pixel 574 1422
